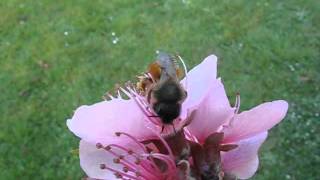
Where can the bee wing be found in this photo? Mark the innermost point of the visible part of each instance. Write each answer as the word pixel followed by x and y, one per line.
pixel 168 67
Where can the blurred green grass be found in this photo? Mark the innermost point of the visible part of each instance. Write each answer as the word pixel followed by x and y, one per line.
pixel 57 55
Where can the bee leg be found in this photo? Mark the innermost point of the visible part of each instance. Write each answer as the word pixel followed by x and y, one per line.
pixel 162 128
pixel 174 129
pixel 148 108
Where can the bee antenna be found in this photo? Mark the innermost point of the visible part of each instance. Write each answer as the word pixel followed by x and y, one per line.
pixel 185 71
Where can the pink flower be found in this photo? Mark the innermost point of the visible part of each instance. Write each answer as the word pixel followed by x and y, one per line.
pixel 213 114
pixel 115 133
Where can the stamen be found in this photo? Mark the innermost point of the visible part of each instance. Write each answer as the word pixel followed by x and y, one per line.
pixel 144 108
pixel 237 107
pixel 130 152
pixel 125 92
pixel 237 103
pixel 190 136
pixel 108 95
pixel 133 139
pixel 103 166
pixel 132 93
pixel 119 94
pixel 150 166
pixel 164 143
pixel 133 167
pixel 164 158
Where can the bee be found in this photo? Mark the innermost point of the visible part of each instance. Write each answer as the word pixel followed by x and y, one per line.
pixel 163 90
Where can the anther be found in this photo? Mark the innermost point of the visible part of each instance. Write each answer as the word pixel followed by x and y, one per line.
pixel 121 157
pixel 107 148
pixel 137 161
pixel 125 169
pixel 99 146
pixel 118 175
pixel 237 103
pixel 118 134
pixel 103 166
pixel 138 174
pixel 130 151
pixel 116 160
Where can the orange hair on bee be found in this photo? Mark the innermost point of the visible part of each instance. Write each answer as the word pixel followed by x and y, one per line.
pixel 155 70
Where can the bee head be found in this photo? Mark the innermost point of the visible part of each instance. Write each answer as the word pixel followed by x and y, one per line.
pixel 167 111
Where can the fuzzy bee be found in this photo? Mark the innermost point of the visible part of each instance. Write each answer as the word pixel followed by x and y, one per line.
pixel 162 88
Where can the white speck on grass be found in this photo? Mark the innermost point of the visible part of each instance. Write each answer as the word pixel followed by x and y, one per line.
pixel 291 68
pixel 240 46
pixel 186 2
pixel 301 14
pixel 113 33
pixel 288 176
pixel 115 40
pixel 66 33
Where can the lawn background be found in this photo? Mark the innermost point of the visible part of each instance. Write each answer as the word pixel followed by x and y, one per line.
pixel 58 55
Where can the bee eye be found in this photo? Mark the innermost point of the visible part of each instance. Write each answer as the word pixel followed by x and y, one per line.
pixel 185 94
pixel 157 108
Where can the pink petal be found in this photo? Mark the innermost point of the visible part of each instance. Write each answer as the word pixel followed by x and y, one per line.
pixel 99 122
pixel 213 111
pixel 198 80
pixel 256 120
pixel 243 161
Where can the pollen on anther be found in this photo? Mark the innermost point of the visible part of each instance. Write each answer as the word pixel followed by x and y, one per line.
pixel 125 169
pixel 138 174
pixel 116 160
pixel 107 148
pixel 102 166
pixel 99 145
pixel 137 161
pixel 118 175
